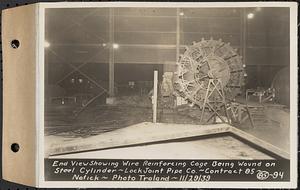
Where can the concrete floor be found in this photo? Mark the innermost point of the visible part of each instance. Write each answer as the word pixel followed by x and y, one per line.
pixel 217 148
pixel 101 119
pixel 276 133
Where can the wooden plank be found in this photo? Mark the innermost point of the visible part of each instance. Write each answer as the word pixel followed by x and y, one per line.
pixel 260 143
pixel 133 135
pixel 153 132
pixel 154 100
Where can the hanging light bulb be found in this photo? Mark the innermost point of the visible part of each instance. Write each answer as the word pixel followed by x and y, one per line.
pixel 46 44
pixel 115 46
pixel 250 16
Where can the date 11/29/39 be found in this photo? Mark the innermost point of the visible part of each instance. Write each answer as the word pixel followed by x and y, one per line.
pixel 189 177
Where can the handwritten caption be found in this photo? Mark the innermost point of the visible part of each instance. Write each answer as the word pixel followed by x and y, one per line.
pixel 166 170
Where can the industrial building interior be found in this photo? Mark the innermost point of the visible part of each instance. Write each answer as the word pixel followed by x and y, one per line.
pixel 100 63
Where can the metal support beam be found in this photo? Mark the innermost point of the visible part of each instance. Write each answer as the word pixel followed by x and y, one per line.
pixel 177 34
pixel 77 68
pixel 111 53
pixel 214 86
pixel 243 32
pixel 167 67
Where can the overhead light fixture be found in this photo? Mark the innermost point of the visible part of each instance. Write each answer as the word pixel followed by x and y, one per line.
pixel 181 13
pixel 104 44
pixel 250 16
pixel 46 44
pixel 115 46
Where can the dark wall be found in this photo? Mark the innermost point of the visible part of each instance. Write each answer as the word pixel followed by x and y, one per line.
pixel 267 45
pixel 136 72
pixel 147 37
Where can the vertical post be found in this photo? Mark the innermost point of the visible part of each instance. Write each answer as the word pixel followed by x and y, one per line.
pixel 177 33
pixel 111 53
pixel 46 71
pixel 243 32
pixel 224 102
pixel 167 67
pixel 154 99
pixel 239 113
pixel 205 101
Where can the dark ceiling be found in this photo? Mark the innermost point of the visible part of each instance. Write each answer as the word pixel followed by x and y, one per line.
pixel 149 35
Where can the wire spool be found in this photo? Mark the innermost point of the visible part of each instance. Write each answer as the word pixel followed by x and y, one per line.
pixel 204 60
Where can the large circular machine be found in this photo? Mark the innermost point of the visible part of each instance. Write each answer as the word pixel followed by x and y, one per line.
pixel 205 60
